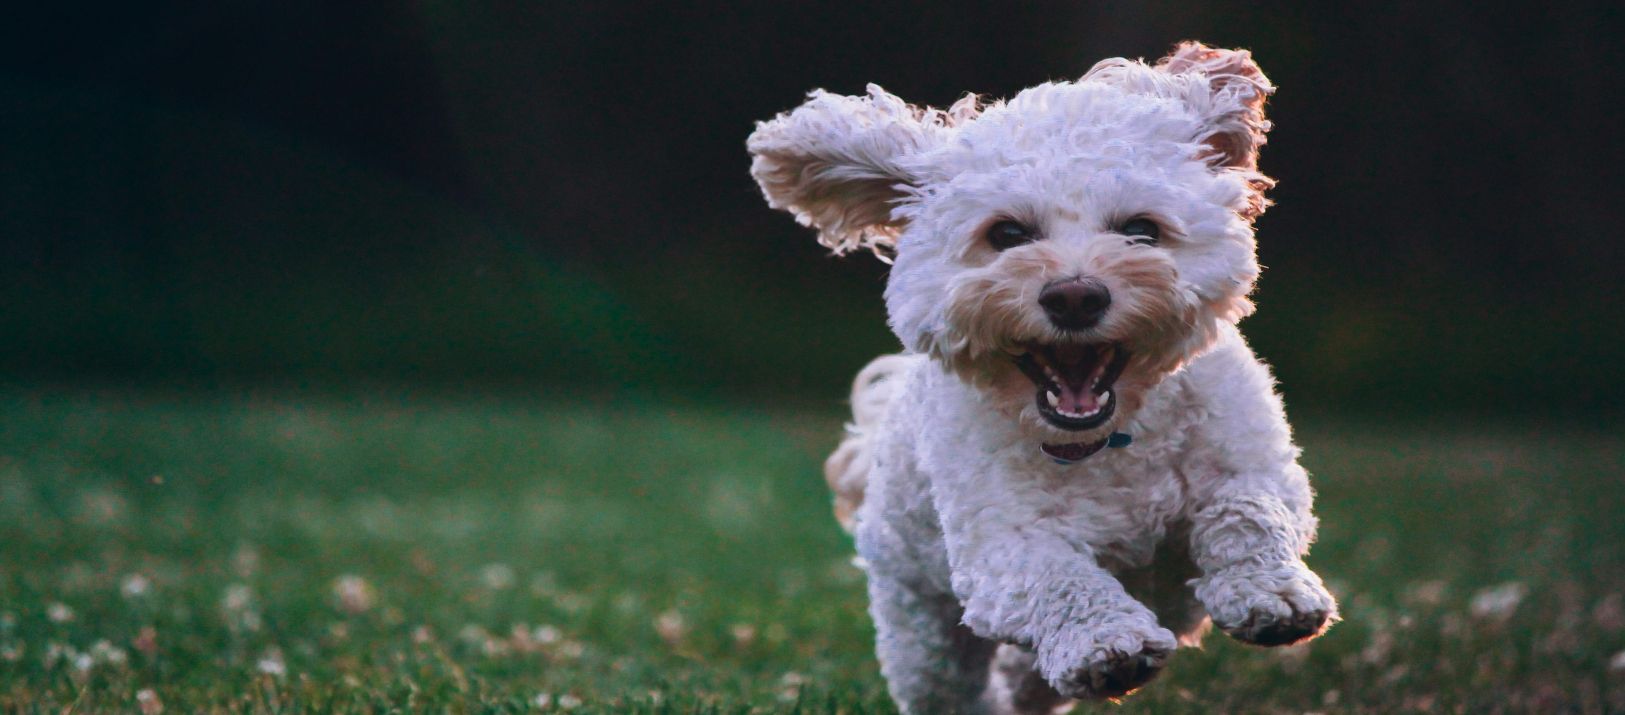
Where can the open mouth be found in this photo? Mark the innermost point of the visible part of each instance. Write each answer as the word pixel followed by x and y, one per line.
pixel 1074 381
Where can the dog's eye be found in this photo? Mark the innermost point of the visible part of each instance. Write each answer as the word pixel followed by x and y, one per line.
pixel 1141 230
pixel 1009 234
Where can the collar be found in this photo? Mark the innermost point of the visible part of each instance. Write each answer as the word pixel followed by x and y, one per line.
pixel 1074 452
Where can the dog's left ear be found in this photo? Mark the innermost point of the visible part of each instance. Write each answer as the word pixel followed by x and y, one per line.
pixel 841 164
pixel 1233 103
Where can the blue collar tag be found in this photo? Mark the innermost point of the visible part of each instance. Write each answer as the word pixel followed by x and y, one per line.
pixel 1119 440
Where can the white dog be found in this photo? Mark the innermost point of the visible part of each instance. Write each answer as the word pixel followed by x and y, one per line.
pixel 1078 461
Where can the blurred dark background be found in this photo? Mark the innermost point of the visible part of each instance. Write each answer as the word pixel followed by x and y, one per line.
pixel 556 194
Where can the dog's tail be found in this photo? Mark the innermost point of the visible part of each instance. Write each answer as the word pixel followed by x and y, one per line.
pixel 847 470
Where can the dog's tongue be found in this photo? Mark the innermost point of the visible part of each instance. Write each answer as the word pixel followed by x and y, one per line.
pixel 1075 366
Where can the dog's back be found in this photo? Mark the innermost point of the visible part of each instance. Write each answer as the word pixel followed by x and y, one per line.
pixel 847 469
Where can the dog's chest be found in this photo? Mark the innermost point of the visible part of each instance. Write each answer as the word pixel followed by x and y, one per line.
pixel 1120 504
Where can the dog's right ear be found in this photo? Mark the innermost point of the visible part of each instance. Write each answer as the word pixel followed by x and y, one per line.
pixel 841 164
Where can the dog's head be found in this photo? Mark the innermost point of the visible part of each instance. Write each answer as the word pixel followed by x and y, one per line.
pixel 1063 251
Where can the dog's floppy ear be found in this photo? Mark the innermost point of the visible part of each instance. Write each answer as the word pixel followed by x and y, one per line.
pixel 840 164
pixel 1233 104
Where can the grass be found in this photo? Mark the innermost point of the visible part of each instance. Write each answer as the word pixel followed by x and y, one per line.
pixel 392 552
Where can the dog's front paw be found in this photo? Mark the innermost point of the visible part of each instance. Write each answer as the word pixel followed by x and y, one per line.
pixel 1107 661
pixel 1268 605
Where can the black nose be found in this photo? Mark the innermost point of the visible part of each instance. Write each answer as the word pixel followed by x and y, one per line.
pixel 1075 303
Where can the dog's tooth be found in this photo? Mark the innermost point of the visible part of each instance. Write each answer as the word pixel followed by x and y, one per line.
pixel 1053 398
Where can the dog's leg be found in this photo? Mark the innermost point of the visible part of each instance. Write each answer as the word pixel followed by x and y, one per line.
pixel 933 664
pixel 1026 577
pixel 1017 688
pixel 1254 582
pixel 1251 518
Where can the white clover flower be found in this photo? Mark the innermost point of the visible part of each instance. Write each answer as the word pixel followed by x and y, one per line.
pixel 422 635
pixel 271 663
pixel 355 595
pixel 546 635
pixel 147 700
pixel 671 626
pixel 238 597
pixel 59 612
pixel 135 586
pixel 106 652
pixel 743 634
pixel 237 608
pixel 1497 603
pixel 497 577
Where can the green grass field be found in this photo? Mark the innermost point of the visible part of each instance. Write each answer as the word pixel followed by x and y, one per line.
pixel 390 552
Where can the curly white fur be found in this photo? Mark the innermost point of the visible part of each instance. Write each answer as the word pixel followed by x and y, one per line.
pixel 999 580
pixel 847 468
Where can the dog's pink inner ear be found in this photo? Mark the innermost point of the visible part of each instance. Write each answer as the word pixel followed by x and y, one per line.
pixel 1232 150
pixel 1239 89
